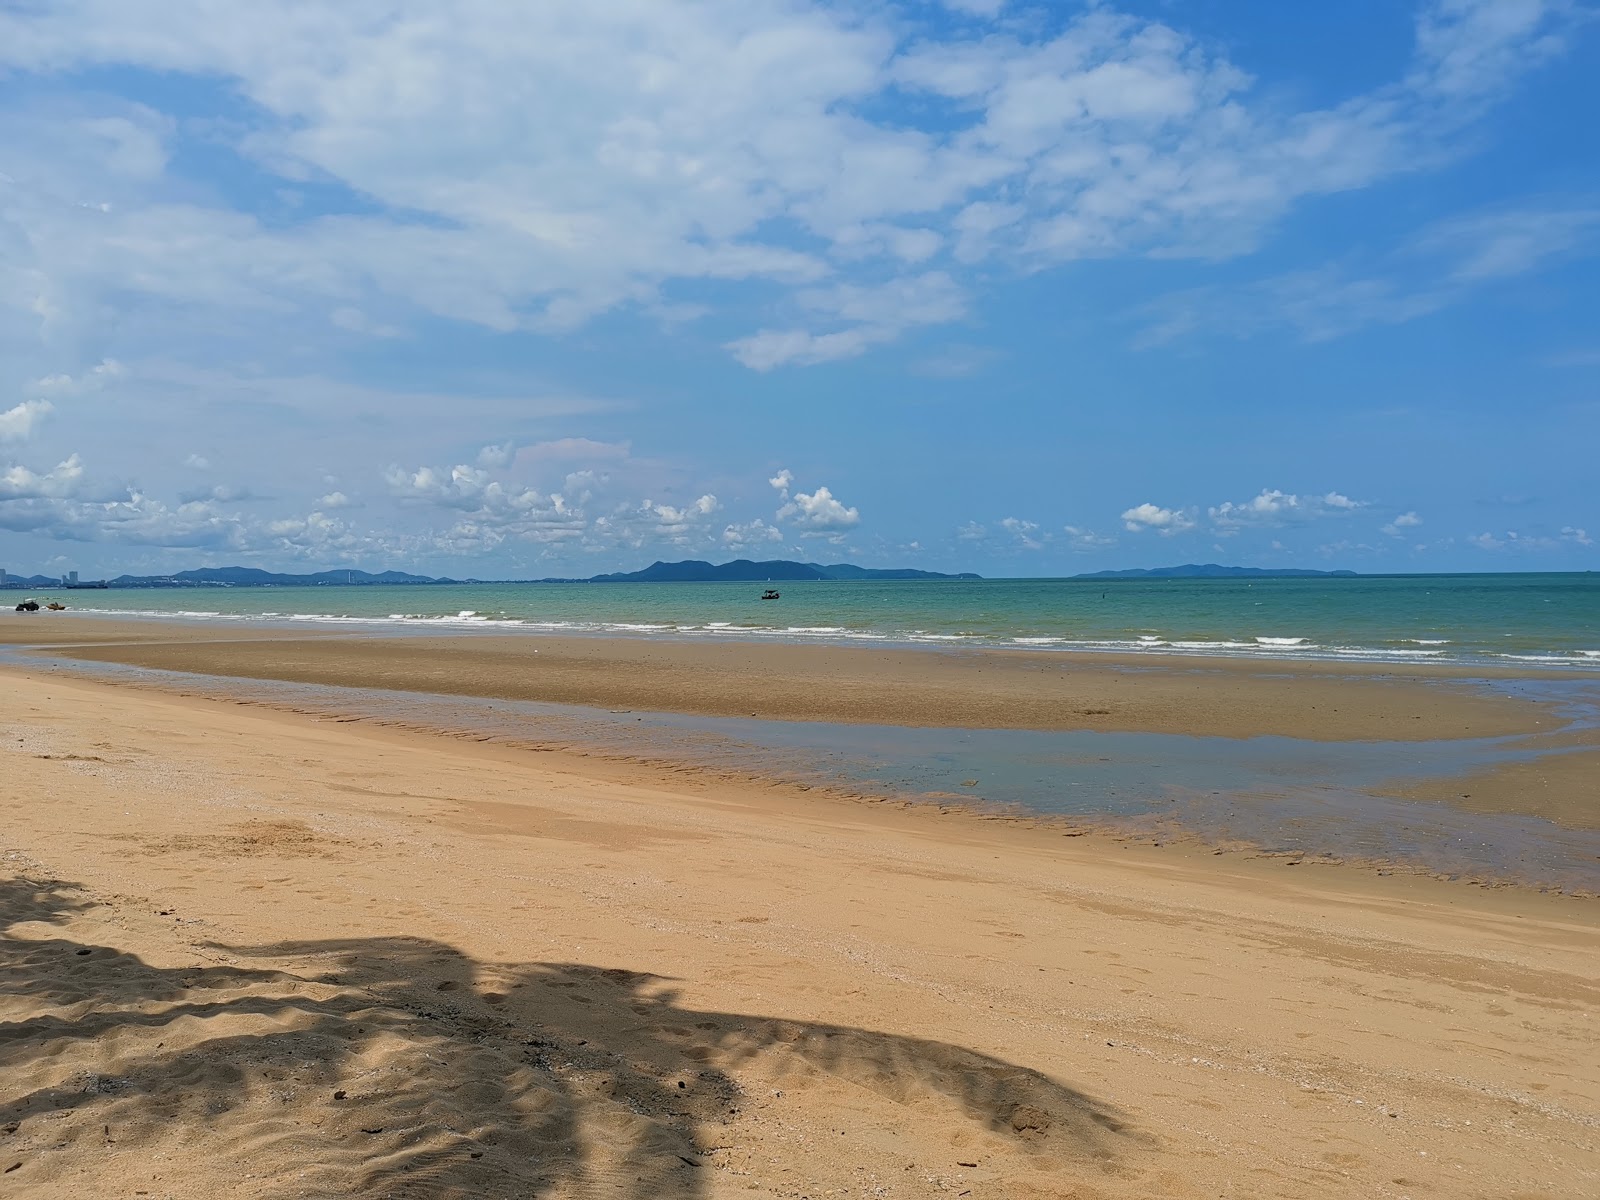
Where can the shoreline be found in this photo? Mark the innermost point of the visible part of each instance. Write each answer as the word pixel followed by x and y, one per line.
pixel 1499 791
pixel 921 686
pixel 303 945
pixel 1262 650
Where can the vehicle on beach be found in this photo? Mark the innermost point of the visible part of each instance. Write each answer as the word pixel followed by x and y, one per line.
pixel 28 605
pixel 769 594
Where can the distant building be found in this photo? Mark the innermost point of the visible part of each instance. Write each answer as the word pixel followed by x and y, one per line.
pixel 4 581
pixel 70 579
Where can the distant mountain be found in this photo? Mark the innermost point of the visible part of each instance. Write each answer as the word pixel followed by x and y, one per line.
pixel 253 577
pixel 742 570
pixel 1213 571
pixel 33 581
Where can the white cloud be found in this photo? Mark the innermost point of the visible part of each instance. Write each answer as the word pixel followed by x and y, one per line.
pixel 90 381
pixel 497 456
pixel 1027 533
pixel 972 532
pixel 334 500
pixel 539 165
pixel 17 423
pixel 873 315
pixel 1165 521
pixel 781 482
pixel 1085 540
pixel 1398 526
pixel 678 522
pixel 1271 508
pixel 197 462
pixel 63 480
pixel 751 534
pixel 1432 269
pixel 1512 540
pixel 818 513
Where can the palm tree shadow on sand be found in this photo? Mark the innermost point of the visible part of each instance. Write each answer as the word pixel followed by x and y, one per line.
pixel 398 1066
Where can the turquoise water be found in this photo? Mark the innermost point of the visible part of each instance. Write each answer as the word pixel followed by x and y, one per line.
pixel 1536 619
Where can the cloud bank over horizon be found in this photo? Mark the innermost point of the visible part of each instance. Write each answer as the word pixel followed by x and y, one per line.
pixel 482 289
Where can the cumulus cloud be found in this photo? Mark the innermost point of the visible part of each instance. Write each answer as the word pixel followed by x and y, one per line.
pixel 334 500
pixel 497 456
pixel 750 535
pixel 63 480
pixel 1165 521
pixel 1398 526
pixel 1579 536
pixel 17 423
pixel 1272 508
pixel 818 512
pixel 677 523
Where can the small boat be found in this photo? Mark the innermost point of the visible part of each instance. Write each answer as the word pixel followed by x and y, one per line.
pixel 769 594
pixel 56 606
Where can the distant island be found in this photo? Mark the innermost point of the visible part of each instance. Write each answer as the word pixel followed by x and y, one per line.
pixel 222 577
pixel 742 570
pixel 1213 571
pixel 693 571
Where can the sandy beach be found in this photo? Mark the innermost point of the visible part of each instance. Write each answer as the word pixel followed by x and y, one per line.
pixel 253 953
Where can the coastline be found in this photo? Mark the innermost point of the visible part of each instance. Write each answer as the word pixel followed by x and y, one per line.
pixel 927 686
pixel 297 921
pixel 1387 768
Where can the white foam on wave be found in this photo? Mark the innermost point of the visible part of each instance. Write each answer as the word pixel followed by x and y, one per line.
pixel 1214 645
pixel 1038 641
pixel 1283 641
pixel 1429 641
pixel 1371 652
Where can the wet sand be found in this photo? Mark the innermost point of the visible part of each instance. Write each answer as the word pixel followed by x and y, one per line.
pixel 974 689
pixel 250 953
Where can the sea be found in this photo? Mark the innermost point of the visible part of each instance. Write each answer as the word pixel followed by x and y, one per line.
pixel 1545 620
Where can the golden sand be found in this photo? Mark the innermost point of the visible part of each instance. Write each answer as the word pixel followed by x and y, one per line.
pixel 250 953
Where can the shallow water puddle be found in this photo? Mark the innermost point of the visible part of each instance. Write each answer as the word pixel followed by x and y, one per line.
pixel 1275 793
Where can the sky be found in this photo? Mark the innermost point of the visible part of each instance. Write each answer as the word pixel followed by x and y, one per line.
pixel 505 289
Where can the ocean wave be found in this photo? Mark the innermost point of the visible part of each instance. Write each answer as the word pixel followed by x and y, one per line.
pixel 1283 642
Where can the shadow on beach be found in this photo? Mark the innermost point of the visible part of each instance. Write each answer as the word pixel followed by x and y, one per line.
pixel 401 1066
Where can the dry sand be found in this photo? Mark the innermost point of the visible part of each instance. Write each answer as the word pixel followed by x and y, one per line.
pixel 248 953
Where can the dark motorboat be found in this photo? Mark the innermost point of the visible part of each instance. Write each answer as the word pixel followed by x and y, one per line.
pixel 769 594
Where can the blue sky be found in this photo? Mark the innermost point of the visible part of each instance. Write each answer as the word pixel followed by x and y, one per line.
pixel 513 289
